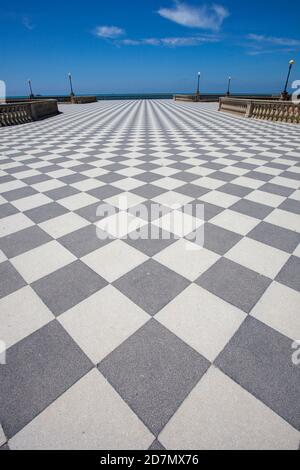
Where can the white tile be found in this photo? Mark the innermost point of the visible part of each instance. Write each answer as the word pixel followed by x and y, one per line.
pixel 11 186
pixel 209 183
pixel 295 195
pixel 22 313
pixel 88 416
pixel 2 436
pixel 267 199
pixel 284 219
pixel 128 184
pixel 120 225
pixel 125 200
pixel 178 223
pixel 102 322
pixel 172 199
pixel 2 257
pixel 41 261
pixel 221 415
pixel 202 320
pixel 297 251
pixel 165 171
pixel 78 201
pixel 259 257
pixel 219 199
pixel 169 183
pixel 235 222
pixel 187 259
pixel 279 309
pixel 87 185
pixel 289 183
pixel 114 260
pixel 48 185
pixel 14 223
pixel 64 224
pixel 31 202
pixel 248 182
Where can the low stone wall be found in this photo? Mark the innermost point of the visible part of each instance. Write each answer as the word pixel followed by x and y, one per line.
pixel 83 99
pixel 12 114
pixel 270 110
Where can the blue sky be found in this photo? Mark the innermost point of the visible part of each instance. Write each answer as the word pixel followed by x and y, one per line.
pixel 127 46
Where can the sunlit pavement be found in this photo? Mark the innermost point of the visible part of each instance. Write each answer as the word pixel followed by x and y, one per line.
pixel 121 343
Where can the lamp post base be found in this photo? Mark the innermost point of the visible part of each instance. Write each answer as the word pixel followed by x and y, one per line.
pixel 198 96
pixel 285 96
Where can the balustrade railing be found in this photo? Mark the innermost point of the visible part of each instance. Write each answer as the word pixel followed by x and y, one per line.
pixel 12 114
pixel 269 110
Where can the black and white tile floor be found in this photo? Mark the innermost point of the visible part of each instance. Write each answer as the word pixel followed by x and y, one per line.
pixel 131 344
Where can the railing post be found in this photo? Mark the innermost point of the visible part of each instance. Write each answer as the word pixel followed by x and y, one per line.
pixel 249 110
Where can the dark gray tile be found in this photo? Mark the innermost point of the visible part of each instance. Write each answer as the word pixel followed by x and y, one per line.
pixel 6 210
pixel 192 190
pixel 46 212
pixel 154 371
pixel 70 179
pixel 156 445
pixel 36 179
pixel 291 205
pixel 276 189
pixel 39 369
pixel 234 283
pixel 110 177
pixel 219 240
pixel 104 192
pixel 148 191
pixel 253 209
pixel 20 193
pixel 10 279
pixel 83 241
pixel 235 190
pixel 150 246
pixel 290 273
pixel 222 176
pixel 24 240
pixel 151 286
pixel 291 175
pixel 185 176
pixel 68 286
pixel 259 359
pixel 61 193
pixel 210 211
pixel 256 175
pixel 275 236
pixel 148 177
pixel 5 447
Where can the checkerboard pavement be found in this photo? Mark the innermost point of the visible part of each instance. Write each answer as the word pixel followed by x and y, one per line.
pixel 137 344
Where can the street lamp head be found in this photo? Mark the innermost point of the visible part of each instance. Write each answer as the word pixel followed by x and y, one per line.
pixel 292 62
pixel 69 74
pixel 29 81
pixel 229 78
pixel 199 73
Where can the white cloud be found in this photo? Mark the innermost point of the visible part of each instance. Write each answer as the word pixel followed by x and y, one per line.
pixel 169 41
pixel 204 17
pixel 109 32
pixel 261 39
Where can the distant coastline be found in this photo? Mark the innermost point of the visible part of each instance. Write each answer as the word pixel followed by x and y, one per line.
pixel 136 96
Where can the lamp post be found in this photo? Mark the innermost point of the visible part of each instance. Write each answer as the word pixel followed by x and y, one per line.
pixel 228 89
pixel 198 86
pixel 31 96
pixel 285 95
pixel 71 84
